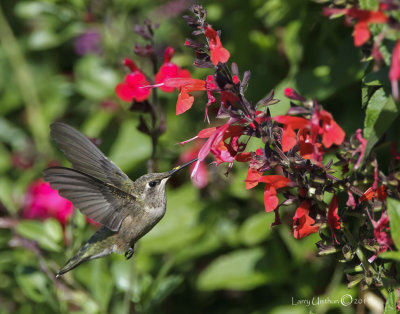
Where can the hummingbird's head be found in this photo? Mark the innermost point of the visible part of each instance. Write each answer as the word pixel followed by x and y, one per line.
pixel 151 186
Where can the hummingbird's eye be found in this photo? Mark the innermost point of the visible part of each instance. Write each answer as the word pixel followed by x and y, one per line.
pixel 152 184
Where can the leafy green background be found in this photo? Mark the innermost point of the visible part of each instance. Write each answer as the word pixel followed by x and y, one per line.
pixel 214 251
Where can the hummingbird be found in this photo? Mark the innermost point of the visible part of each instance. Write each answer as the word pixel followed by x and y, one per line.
pixel 126 209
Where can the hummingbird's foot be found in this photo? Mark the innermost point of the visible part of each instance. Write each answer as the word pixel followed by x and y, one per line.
pixel 129 253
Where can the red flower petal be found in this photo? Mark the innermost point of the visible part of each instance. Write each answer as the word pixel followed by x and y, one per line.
pixel 243 157
pixel 190 84
pixel 130 64
pixel 169 70
pixel 217 52
pixel 206 133
pixel 184 103
pixel 270 199
pixel 168 53
pixel 276 181
pixel 252 179
pixel 333 216
pixel 302 222
pixel 289 138
pixel 332 132
pixel 132 88
pixel 294 122
pixel 213 141
pixel 367 16
pixel 361 34
pixel 124 92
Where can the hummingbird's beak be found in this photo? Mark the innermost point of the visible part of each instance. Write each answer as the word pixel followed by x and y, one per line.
pixel 181 166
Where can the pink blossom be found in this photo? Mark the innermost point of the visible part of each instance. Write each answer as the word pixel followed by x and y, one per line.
pixel 394 74
pixel 200 180
pixel 42 202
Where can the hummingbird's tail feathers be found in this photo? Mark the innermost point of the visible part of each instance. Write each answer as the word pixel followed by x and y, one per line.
pixel 71 264
pixel 99 245
pixel 78 259
pixel 99 201
pixel 85 156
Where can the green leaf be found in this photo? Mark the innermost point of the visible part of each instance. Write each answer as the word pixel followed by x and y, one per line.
pixel 12 135
pixel 369 4
pixel 393 255
pixel 162 290
pixel 234 271
pixel 32 282
pixel 391 302
pixel 94 80
pixel 256 228
pixel 378 78
pixel 381 112
pixel 393 208
pixel 101 282
pixel 45 233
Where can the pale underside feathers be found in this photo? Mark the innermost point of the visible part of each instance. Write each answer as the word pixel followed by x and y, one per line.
pixel 96 186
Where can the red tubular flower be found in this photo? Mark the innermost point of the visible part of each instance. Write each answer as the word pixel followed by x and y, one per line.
pixel 290 123
pixel 302 222
pixel 42 202
pixel 217 52
pixel 243 157
pixel 224 152
pixel 369 194
pixel 169 70
pixel 360 149
pixel 307 147
pixel 214 139
pixel 273 182
pixel 133 86
pixel 201 178
pixel 292 94
pixel 381 229
pixel 185 86
pixel 364 18
pixel 333 217
pixel 332 133
pixel 394 74
pixel 252 179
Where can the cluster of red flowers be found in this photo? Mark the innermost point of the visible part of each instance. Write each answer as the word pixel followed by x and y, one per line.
pixel 308 134
pixel 136 85
pixel 362 34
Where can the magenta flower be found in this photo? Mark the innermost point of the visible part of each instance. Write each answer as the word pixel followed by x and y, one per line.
pixel 200 180
pixel 133 87
pixel 169 70
pixel 42 202
pixel 394 74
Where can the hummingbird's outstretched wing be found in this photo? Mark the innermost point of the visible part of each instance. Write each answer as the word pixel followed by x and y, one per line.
pixel 100 201
pixel 86 157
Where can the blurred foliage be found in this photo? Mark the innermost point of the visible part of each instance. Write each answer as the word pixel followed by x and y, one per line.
pixel 214 251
